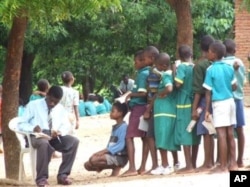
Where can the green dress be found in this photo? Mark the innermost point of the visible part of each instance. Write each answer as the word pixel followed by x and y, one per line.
pixel 165 116
pixel 184 99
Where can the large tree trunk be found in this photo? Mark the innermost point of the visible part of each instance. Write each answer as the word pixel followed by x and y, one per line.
pixel 182 10
pixel 25 88
pixel 11 94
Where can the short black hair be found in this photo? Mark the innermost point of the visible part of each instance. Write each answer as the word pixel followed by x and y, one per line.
pixel 99 98
pixel 43 85
pixel 66 77
pixel 138 54
pixel 205 42
pixel 185 52
pixel 230 46
pixel 163 58
pixel 152 50
pixel 56 92
pixel 218 48
pixel 121 107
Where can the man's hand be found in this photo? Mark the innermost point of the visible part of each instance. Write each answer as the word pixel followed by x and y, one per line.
pixel 54 133
pixel 37 129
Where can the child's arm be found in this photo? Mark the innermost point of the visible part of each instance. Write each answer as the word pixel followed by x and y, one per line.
pixel 37 92
pixel 147 113
pixel 177 84
pixel 196 100
pixel 165 92
pixel 234 86
pixel 120 143
pixel 208 104
pixel 135 94
pixel 76 115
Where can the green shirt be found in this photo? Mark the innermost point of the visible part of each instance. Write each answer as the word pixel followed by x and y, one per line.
pixel 199 74
pixel 140 85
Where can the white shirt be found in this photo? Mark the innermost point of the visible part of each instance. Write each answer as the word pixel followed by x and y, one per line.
pixel 70 98
pixel 126 87
pixel 36 113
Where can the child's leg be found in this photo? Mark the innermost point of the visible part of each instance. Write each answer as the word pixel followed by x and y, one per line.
pixel 131 158
pixel 175 157
pixel 164 157
pixel 176 163
pixel 231 148
pixel 222 149
pixel 208 142
pixel 97 163
pixel 241 145
pixel 145 151
pixel 188 159
pixel 1 151
pixel 153 152
pixel 194 153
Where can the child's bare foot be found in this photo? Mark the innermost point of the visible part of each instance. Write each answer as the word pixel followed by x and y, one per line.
pixel 203 168
pixel 240 164
pixel 218 169
pixel 129 173
pixel 115 171
pixel 233 167
pixel 142 171
pixel 185 170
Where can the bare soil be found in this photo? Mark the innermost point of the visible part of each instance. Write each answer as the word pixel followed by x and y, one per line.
pixel 93 135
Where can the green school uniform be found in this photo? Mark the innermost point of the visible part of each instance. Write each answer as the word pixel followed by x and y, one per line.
pixel 165 116
pixel 184 99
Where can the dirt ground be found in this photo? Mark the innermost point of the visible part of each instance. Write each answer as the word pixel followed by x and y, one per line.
pixel 94 134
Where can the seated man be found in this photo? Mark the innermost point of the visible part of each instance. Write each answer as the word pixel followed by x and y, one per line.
pixel 114 156
pixel 48 116
pixel 126 85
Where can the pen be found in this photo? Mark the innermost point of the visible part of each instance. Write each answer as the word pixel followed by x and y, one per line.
pixel 59 139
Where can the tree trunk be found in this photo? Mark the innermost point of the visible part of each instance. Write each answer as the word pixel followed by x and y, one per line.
pixel 183 14
pixel 25 88
pixel 11 94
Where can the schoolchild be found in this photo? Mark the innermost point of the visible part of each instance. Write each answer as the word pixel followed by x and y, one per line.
pixel 239 72
pixel 114 156
pixel 199 102
pixel 219 84
pixel 164 116
pixel 184 99
pixel 70 99
pixel 153 80
pixel 42 89
pixel 137 101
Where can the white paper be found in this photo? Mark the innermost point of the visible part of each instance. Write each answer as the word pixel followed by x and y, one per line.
pixel 143 124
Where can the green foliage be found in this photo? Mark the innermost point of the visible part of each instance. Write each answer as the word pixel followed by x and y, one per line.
pixel 97 38
pixel 102 47
pixel 246 4
pixel 39 12
pixel 214 17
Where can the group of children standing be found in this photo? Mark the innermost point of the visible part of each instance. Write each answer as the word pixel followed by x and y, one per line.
pixel 170 97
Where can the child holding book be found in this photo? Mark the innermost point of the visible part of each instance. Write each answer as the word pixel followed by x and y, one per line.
pixel 220 83
pixel 184 99
pixel 137 105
